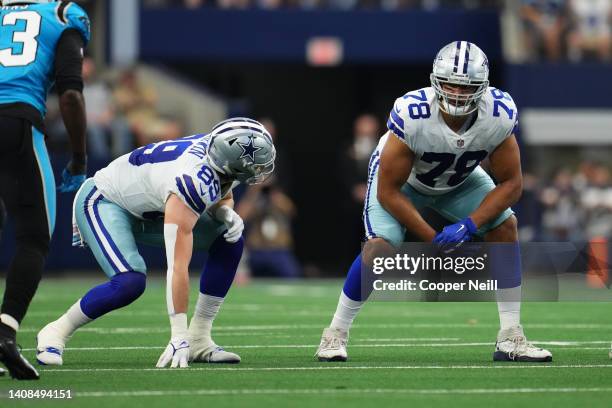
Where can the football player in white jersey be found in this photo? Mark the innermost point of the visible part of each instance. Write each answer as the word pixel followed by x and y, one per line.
pixel 176 194
pixel 430 158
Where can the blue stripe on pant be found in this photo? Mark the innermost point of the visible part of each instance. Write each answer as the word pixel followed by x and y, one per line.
pixel 107 230
pixel 372 167
pixel 46 172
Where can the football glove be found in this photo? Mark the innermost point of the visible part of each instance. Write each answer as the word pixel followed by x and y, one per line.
pixel 232 221
pixel 73 176
pixel 453 236
pixel 176 354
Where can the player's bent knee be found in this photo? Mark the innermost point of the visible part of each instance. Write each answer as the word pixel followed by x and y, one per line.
pixel 374 248
pixel 129 286
pixel 507 231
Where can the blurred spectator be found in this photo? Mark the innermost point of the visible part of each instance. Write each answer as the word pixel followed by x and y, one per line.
pixel 267 212
pixel 529 210
pixel 108 135
pixel 138 103
pixel 194 3
pixel 469 4
pixel 590 29
pixel 282 170
pixel 596 199
pixel 563 216
pixel 354 173
pixel 233 4
pixel 544 23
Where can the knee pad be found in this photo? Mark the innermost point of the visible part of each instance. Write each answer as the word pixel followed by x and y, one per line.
pixel 129 286
pixel 120 291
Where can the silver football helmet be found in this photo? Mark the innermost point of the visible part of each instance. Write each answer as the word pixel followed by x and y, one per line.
pixel 10 2
pixel 460 63
pixel 242 149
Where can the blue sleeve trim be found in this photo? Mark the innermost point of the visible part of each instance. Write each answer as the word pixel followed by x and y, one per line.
pixel 189 192
pixel 392 127
pixel 396 118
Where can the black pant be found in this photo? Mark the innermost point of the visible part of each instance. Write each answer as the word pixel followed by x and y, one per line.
pixel 27 187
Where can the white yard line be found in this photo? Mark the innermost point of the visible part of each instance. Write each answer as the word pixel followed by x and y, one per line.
pixel 503 366
pixel 314 391
pixel 245 328
pixel 563 344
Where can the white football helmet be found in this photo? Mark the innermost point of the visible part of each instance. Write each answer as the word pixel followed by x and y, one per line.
pixel 242 148
pixel 11 2
pixel 460 63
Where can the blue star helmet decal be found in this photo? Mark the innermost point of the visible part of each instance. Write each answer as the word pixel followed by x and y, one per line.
pixel 248 149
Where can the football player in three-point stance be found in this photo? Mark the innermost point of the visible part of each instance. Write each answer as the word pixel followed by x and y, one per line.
pixel 430 158
pixel 41 44
pixel 176 193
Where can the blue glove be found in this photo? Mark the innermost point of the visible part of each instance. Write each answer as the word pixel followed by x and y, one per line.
pixel 456 234
pixel 70 182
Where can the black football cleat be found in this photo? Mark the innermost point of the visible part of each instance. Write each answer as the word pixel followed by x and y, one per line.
pixel 18 367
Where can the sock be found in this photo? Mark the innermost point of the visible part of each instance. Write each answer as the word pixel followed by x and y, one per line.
pixel 8 326
pixel 121 290
pixel 70 321
pixel 505 267
pixel 509 307
pixel 206 310
pixel 221 266
pixel 345 312
pixel 505 264
pixel 215 282
pixel 354 286
pixel 9 321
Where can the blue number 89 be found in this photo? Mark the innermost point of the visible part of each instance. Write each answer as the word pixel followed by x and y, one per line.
pixel 159 152
pixel 207 176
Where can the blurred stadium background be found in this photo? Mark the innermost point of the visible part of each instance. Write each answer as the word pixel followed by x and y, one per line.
pixel 323 75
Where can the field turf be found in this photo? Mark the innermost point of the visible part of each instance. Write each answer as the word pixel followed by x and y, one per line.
pixel 408 354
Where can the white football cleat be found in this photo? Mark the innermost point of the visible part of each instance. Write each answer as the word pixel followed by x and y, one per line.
pixel 202 351
pixel 333 345
pixel 512 345
pixel 50 346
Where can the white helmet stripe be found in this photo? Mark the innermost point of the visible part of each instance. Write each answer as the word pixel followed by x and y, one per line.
pixel 240 124
pixel 462 54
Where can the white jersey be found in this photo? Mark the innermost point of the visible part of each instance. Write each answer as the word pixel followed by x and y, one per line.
pixel 443 158
pixel 142 180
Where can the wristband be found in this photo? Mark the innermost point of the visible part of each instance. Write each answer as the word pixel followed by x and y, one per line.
pixel 178 325
pixel 221 212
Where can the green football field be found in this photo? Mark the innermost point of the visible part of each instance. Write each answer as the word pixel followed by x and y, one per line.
pixel 413 354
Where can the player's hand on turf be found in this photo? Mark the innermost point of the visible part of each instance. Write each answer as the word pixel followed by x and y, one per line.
pixel 232 221
pixel 73 175
pixel 453 236
pixel 176 354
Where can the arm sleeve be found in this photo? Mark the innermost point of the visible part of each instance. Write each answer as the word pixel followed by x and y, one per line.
pixel 69 62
